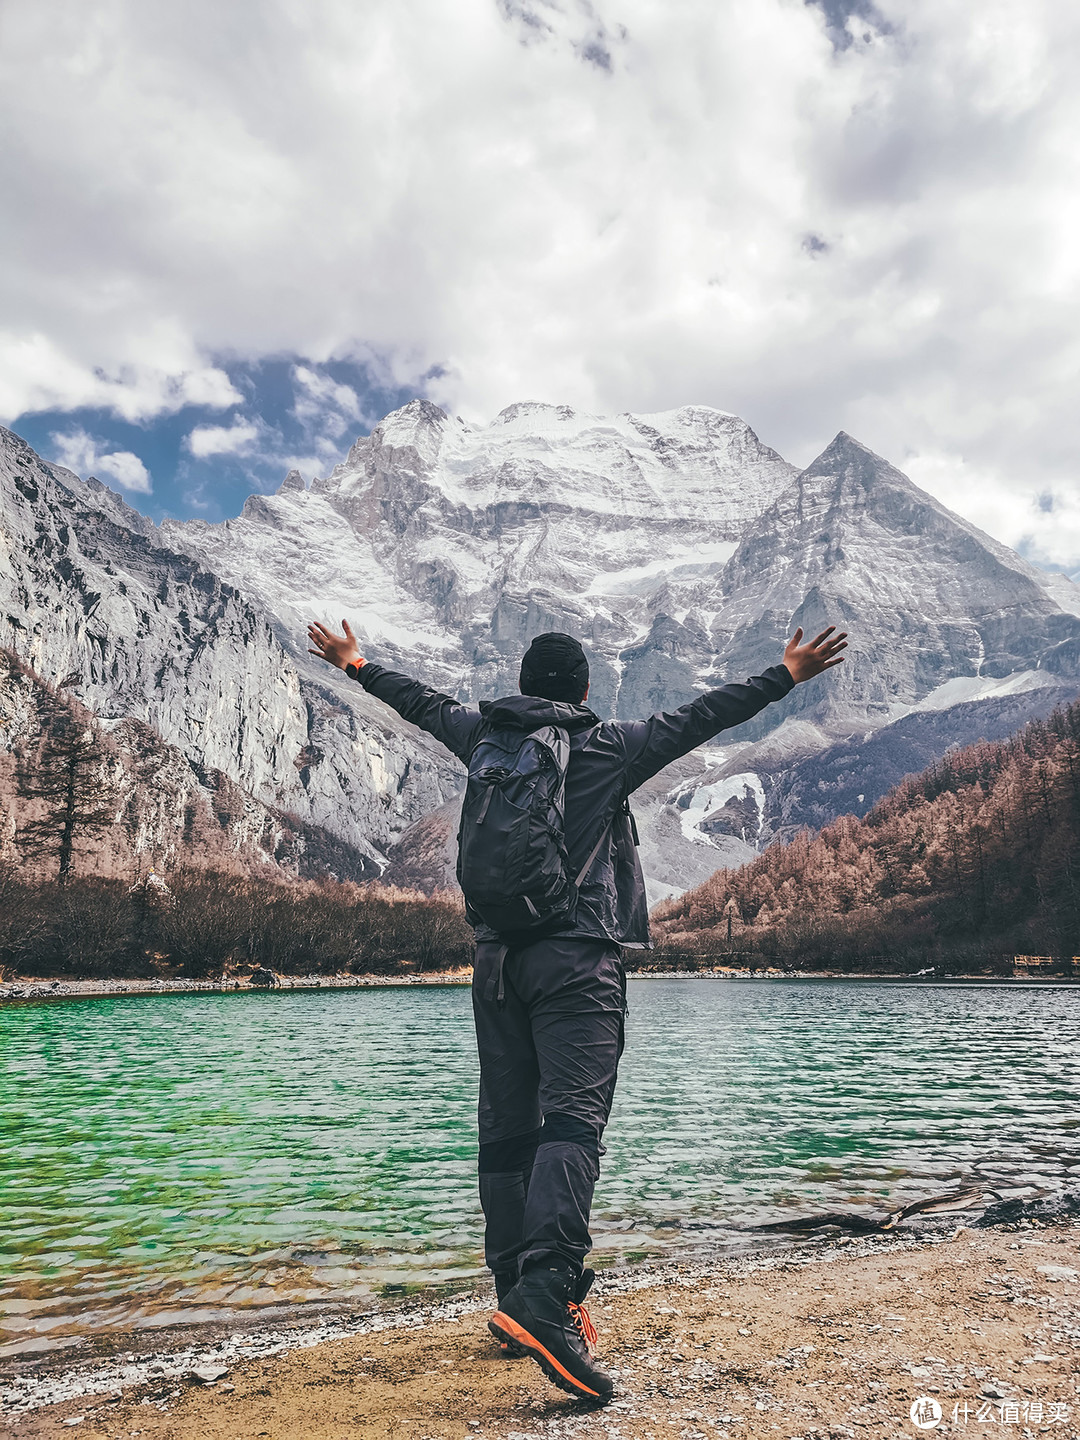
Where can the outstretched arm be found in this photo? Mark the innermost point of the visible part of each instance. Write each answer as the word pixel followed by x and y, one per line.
pixel 652 744
pixel 453 724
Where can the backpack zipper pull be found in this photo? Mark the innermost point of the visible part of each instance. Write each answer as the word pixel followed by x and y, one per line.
pixel 484 804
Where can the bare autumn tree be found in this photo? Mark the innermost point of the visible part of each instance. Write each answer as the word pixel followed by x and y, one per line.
pixel 435 933
pixel 68 777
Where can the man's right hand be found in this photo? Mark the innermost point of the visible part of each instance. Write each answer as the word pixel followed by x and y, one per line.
pixel 339 650
pixel 806 661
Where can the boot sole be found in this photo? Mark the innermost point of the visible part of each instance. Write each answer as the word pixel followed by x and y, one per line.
pixel 503 1328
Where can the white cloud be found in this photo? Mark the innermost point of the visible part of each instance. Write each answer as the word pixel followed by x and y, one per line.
pixel 609 203
pixel 66 371
pixel 317 392
pixel 127 470
pixel 236 439
pixel 1041 521
pixel 79 451
pixel 325 407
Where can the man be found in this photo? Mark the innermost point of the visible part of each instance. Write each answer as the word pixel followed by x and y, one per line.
pixel 549 1011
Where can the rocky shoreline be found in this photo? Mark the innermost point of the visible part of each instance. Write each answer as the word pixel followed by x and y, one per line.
pixel 39 989
pixel 835 1339
pixel 27 989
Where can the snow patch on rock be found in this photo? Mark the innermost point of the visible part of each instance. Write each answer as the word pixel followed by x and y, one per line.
pixel 706 800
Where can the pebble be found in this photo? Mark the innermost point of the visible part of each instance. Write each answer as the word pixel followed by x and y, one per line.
pixel 209 1374
pixel 1057 1273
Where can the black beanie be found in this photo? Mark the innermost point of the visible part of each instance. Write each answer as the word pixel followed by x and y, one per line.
pixel 555 668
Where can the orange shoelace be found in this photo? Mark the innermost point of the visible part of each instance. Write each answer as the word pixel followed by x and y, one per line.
pixel 585 1328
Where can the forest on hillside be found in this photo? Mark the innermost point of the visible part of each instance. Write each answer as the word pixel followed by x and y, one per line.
pixel 118 858
pixel 208 924
pixel 961 866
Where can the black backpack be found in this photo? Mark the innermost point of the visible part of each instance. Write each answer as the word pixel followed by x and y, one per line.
pixel 512 861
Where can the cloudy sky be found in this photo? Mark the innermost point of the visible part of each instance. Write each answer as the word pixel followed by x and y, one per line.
pixel 237 234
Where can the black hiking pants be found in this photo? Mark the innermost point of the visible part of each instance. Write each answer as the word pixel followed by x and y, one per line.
pixel 549 1031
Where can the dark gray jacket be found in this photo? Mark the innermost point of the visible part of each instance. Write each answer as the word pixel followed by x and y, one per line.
pixel 609 759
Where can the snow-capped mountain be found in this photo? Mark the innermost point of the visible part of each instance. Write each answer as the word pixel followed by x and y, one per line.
pixel 680 550
pixel 928 598
pixel 950 633
pixel 448 546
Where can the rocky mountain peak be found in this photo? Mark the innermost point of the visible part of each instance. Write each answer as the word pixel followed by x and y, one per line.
pixel 926 596
pixel 553 460
pixel 842 450
pixel 849 490
pixel 446 542
pixel 416 430
pixel 847 473
pixel 848 484
pixel 528 412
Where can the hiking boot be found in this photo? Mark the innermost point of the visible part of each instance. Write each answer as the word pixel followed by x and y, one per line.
pixel 504 1283
pixel 543 1314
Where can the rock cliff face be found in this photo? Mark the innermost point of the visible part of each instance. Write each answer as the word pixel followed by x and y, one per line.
pixel 681 551
pixel 137 630
pixel 165 810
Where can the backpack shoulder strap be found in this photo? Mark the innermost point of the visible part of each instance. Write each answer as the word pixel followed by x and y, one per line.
pixel 623 809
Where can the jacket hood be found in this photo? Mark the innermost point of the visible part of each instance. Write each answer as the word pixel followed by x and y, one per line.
pixel 530 712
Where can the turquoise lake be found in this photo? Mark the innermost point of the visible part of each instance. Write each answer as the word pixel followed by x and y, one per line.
pixel 186 1157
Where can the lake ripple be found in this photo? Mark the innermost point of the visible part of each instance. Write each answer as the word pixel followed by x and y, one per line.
pixel 184 1157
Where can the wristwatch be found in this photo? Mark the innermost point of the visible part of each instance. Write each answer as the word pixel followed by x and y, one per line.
pixel 353 670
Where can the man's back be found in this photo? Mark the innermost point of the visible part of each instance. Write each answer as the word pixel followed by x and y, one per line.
pixel 609 759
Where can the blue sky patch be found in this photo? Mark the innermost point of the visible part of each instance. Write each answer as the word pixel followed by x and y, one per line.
pixel 203 463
